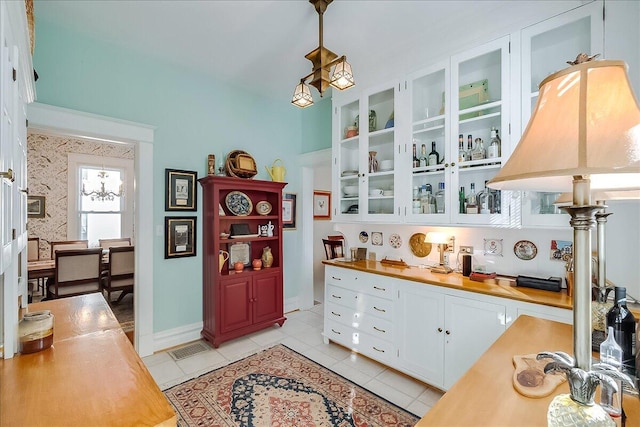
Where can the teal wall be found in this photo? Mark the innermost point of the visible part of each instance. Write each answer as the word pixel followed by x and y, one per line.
pixel 316 125
pixel 194 116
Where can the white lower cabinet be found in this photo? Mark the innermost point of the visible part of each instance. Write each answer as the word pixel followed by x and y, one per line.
pixel 429 332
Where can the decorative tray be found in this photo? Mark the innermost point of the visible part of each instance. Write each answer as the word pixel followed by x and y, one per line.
pixel 394 263
pixel 263 207
pixel 418 246
pixel 238 203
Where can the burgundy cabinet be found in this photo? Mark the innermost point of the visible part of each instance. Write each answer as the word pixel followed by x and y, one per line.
pixel 237 303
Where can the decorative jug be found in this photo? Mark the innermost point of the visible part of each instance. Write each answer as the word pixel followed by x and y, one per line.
pixel 270 228
pixel 277 173
pixel 222 258
pixel 267 257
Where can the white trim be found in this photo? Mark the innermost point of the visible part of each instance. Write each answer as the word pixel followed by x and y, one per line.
pixel 76 161
pixel 177 336
pixel 315 158
pixel 76 123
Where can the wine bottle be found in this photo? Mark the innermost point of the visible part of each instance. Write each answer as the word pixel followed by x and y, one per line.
pixel 424 161
pixel 462 201
pixel 624 327
pixel 462 154
pixel 494 146
pixel 416 161
pixel 434 156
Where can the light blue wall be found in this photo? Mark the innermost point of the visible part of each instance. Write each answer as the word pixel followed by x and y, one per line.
pixel 316 125
pixel 194 116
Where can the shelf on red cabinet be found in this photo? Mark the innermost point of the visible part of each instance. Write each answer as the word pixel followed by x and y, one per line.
pixel 247 217
pixel 249 239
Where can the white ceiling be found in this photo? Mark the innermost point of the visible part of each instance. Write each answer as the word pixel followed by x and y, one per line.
pixel 260 44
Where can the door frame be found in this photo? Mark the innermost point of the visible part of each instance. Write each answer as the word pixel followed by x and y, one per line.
pixel 66 122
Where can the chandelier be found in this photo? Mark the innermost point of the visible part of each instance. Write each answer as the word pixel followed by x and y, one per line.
pixel 102 194
pixel 322 59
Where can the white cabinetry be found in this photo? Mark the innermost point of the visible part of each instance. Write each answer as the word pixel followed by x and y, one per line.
pixel 364 164
pixel 16 90
pixel 546 48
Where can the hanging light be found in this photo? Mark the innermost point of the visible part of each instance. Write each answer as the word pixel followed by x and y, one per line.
pixel 323 59
pixel 102 194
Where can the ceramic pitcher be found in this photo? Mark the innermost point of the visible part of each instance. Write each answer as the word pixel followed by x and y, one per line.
pixel 222 258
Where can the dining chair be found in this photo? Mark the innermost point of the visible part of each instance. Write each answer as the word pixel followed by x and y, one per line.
pixel 333 248
pixel 120 274
pixel 77 272
pixel 67 244
pixel 112 243
pixel 33 249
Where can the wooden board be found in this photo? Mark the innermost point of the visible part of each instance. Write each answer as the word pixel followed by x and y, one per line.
pixel 529 378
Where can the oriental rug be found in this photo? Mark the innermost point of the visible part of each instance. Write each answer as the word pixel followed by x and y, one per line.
pixel 279 387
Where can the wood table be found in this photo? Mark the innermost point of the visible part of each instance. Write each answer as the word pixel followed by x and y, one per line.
pixel 485 394
pixel 91 376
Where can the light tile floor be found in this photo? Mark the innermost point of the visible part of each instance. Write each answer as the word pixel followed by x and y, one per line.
pixel 302 333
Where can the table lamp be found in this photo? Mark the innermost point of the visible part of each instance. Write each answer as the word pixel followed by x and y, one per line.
pixel 583 135
pixel 442 240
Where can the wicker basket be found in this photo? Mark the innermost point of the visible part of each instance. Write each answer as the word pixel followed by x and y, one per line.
pixel 240 164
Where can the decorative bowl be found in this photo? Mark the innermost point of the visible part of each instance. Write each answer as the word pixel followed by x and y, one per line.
pixel 350 190
pixel 386 165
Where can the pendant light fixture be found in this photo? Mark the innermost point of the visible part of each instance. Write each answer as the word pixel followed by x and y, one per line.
pixel 322 59
pixel 101 194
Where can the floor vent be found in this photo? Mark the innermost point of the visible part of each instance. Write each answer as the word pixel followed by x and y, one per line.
pixel 189 350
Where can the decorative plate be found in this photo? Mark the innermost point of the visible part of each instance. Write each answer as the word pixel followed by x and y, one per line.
pixel 238 203
pixel 376 238
pixel 263 207
pixel 493 247
pixel 418 246
pixel 525 250
pixel 395 241
pixel 363 237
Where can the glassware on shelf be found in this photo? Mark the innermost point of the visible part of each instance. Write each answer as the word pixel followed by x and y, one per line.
pixel 440 197
pixel 494 146
pixel 424 161
pixel 373 162
pixel 472 206
pixel 434 157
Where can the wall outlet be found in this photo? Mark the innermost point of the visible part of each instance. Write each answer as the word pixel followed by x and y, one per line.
pixel 466 249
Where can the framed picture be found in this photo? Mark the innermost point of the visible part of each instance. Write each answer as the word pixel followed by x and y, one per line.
pixel 289 211
pixel 179 236
pixel 240 251
pixel 180 190
pixel 321 204
pixel 35 206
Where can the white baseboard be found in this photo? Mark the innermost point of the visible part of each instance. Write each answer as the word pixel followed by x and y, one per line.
pixel 184 334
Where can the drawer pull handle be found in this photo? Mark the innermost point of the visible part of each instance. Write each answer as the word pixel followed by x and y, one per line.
pixel 439 329
pixel 336 296
pixel 336 314
pixel 380 330
pixel 382 310
pixel 378 288
pixel 335 278
pixel 377 349
pixel 336 332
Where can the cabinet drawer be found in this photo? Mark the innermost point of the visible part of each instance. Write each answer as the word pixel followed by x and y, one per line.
pixel 359 301
pixel 376 285
pixel 360 321
pixel 377 327
pixel 377 307
pixel 341 276
pixel 341 296
pixel 356 340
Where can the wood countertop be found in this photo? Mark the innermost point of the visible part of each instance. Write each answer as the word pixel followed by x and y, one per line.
pixel 90 376
pixel 485 394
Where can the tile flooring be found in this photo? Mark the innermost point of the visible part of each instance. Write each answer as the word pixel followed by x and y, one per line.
pixel 302 333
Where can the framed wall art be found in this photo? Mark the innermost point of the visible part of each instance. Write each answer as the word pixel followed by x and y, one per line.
pixel 289 211
pixel 321 204
pixel 180 190
pixel 179 237
pixel 35 206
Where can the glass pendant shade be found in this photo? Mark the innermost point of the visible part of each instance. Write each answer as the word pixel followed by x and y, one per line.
pixel 342 77
pixel 586 123
pixel 302 96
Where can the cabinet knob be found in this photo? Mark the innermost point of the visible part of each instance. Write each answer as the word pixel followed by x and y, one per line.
pixel 8 174
pixel 446 165
pixel 453 164
pixel 447 332
pixel 439 329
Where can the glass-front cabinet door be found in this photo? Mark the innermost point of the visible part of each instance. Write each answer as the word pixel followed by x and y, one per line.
pixel 429 158
pixel 546 48
pixel 365 156
pixel 479 142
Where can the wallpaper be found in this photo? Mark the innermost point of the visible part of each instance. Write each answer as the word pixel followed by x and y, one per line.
pixel 47 176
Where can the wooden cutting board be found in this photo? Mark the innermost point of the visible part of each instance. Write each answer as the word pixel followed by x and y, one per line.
pixel 529 378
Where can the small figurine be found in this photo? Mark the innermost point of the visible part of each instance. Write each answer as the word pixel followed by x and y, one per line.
pixel 583 57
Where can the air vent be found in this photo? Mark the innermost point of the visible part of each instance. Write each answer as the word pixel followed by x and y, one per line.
pixel 189 350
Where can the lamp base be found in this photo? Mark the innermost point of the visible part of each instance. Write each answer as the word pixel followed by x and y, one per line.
pixel 442 269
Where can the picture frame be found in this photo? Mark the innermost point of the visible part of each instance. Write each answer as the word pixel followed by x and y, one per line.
pixel 179 237
pixel 240 251
pixel 321 204
pixel 289 211
pixel 36 206
pixel 180 190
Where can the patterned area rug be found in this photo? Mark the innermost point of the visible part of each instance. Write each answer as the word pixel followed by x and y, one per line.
pixel 280 388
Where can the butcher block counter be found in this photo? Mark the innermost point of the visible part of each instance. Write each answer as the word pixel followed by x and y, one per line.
pixel 485 394
pixel 90 376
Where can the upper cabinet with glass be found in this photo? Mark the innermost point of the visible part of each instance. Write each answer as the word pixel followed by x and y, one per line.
pixel 479 142
pixel 546 48
pixel 365 156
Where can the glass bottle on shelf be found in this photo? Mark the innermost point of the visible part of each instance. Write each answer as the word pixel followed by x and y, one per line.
pixel 478 152
pixel 416 161
pixel 434 156
pixel 462 201
pixel 486 200
pixel 427 201
pixel 624 326
pixel 424 161
pixel 462 154
pixel 416 200
pixel 440 198
pixel 469 146
pixel 472 205
pixel 494 147
pixel 611 353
